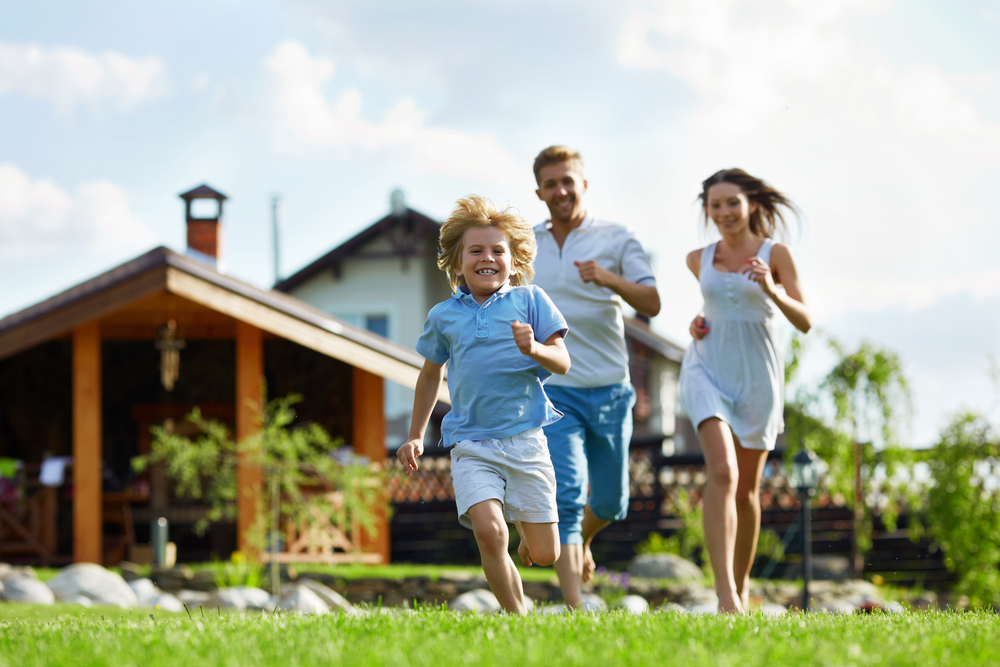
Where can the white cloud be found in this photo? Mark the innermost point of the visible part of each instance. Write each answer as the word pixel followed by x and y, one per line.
pixel 891 165
pixel 39 218
pixel 306 118
pixel 69 77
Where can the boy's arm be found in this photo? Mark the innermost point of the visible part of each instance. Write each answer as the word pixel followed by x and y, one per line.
pixel 424 399
pixel 551 355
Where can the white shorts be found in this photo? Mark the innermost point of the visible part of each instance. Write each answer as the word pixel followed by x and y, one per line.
pixel 517 471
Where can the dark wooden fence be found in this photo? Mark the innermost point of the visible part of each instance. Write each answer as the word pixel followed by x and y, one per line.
pixel 425 526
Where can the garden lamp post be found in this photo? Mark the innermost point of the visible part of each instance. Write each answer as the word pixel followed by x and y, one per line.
pixel 805 472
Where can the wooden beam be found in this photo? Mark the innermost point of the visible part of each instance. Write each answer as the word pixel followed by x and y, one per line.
pixel 87 502
pixel 249 479
pixel 303 333
pixel 368 411
pixel 62 320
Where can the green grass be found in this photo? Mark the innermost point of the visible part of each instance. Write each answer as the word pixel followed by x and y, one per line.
pixel 68 635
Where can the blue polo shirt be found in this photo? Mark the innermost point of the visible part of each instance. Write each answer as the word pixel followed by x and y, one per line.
pixel 496 391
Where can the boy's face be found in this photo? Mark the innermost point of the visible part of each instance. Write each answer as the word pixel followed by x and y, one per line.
pixel 561 187
pixel 486 263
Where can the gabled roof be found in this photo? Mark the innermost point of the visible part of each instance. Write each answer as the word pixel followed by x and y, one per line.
pixel 203 192
pixel 163 270
pixel 640 331
pixel 411 223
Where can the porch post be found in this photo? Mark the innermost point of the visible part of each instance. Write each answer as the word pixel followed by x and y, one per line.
pixel 369 440
pixel 88 529
pixel 249 373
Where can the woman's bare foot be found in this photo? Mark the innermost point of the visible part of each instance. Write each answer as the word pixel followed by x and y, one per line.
pixel 589 567
pixel 745 601
pixel 729 603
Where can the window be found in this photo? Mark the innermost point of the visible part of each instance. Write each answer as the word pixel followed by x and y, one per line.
pixel 378 324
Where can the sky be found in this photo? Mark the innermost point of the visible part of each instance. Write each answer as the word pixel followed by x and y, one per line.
pixel 880 119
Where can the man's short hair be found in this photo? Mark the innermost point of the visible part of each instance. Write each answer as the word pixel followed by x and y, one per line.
pixel 555 155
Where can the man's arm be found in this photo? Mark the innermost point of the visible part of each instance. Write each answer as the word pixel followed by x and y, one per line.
pixel 644 298
pixel 424 399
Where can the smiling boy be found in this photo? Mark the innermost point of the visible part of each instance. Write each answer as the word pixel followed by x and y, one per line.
pixel 502 339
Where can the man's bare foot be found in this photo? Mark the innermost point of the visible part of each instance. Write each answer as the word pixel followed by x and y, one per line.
pixel 522 551
pixel 587 573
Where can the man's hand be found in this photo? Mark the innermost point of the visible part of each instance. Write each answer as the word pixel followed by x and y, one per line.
pixel 592 272
pixel 408 453
pixel 524 336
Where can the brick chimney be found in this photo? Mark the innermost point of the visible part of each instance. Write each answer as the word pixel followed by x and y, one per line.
pixel 204 235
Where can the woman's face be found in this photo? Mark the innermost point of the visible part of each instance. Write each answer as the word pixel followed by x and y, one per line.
pixel 728 207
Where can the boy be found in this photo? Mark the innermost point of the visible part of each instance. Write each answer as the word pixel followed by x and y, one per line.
pixel 502 338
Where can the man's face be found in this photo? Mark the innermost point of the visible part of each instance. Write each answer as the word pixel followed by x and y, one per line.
pixel 561 187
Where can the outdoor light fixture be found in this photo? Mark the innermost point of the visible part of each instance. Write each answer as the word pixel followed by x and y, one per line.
pixel 806 470
pixel 170 354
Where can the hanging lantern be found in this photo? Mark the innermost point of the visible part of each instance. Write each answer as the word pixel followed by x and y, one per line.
pixel 170 354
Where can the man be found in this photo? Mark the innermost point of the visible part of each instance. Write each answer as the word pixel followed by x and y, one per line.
pixel 588 267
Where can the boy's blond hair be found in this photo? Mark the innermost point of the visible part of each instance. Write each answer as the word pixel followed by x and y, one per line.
pixel 555 155
pixel 476 211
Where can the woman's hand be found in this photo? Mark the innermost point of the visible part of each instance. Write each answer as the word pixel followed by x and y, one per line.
pixel 760 272
pixel 698 327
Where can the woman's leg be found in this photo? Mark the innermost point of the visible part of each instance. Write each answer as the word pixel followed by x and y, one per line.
pixel 720 508
pixel 750 463
pixel 490 530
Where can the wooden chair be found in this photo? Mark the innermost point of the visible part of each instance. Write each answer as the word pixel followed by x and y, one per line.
pixel 28 521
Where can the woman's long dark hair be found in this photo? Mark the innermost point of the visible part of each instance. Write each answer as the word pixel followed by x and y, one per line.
pixel 768 218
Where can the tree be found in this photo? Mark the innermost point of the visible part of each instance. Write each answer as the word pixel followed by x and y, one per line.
pixel 869 390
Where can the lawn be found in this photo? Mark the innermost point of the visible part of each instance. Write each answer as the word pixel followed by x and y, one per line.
pixel 32 635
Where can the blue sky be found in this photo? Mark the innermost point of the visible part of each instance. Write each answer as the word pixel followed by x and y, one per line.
pixel 880 119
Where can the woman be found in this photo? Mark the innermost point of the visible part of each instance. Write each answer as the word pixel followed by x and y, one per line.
pixel 732 379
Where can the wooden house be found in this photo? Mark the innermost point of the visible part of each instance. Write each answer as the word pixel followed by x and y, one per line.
pixel 85 373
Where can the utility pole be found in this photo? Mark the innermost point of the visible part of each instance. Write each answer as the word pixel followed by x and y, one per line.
pixel 275 236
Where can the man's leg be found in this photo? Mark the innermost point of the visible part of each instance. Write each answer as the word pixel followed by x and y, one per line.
pixel 750 463
pixel 609 432
pixel 720 508
pixel 566 442
pixel 490 530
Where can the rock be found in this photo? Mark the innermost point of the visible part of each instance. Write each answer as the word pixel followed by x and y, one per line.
pixel 476 600
pixel 164 601
pixel 81 600
pixel 241 598
pixel 634 604
pixel 703 607
pixel 771 609
pixel 130 571
pixel 301 599
pixel 27 590
pixel 552 610
pixel 193 598
pixel 664 566
pixel 671 608
pixel 8 571
pixel 831 568
pixel 93 581
pixel 334 600
pixel 592 603
pixel 144 590
pixel 835 606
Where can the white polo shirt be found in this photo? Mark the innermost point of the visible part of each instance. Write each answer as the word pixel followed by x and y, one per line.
pixel 596 340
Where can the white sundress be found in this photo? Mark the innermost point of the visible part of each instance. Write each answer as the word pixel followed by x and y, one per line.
pixel 736 372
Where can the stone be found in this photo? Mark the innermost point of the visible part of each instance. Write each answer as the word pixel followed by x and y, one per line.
pixel 193 598
pixel 102 586
pixel 241 598
pixel 664 566
pixel 552 610
pixel 476 600
pixel 81 600
pixel 634 604
pixel 301 599
pixel 830 568
pixel 592 603
pixel 166 602
pixel 130 571
pixel 25 589
pixel 703 607
pixel 671 608
pixel 771 609
pixel 8 571
pixel 334 600
pixel 144 590
pixel 835 606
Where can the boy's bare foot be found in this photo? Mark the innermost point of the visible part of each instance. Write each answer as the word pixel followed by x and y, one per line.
pixel 589 567
pixel 522 551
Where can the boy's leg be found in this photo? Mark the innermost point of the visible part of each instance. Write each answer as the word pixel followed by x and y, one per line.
pixel 609 433
pixel 539 543
pixel 490 530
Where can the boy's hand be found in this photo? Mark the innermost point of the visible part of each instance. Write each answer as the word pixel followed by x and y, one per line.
pixel 408 453
pixel 524 336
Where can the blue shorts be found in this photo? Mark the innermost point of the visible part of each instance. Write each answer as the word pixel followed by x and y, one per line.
pixel 589 450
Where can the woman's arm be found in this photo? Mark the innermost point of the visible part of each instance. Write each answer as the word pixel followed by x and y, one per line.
pixel 694 262
pixel 791 303
pixel 424 399
pixel 551 355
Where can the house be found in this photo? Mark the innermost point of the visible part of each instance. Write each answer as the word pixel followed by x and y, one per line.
pixel 385 278
pixel 85 373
